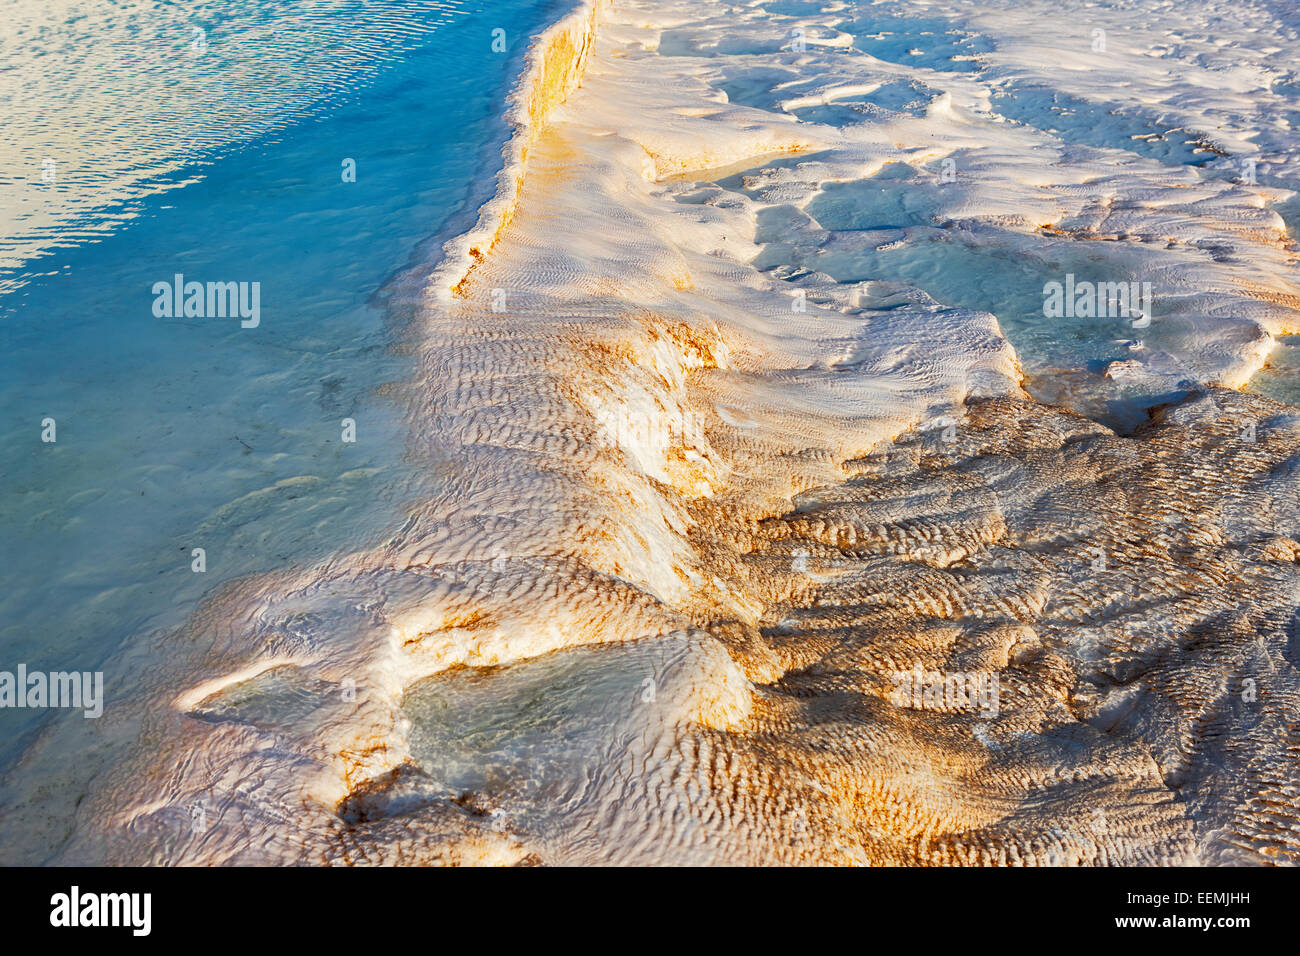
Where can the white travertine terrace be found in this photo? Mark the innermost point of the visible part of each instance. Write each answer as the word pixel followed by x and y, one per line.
pixel 687 533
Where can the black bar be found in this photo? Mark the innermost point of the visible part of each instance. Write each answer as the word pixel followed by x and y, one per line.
pixel 359 907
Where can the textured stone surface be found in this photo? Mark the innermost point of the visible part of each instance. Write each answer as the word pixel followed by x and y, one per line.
pixel 689 534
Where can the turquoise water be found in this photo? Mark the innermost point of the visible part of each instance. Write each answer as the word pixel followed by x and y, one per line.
pixel 1103 125
pixel 898 217
pixel 932 43
pixel 1280 378
pixel 183 433
pixel 892 229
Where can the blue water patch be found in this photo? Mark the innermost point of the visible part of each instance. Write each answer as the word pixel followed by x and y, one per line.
pixel 795 8
pixel 1280 377
pixel 883 201
pixel 181 433
pixel 932 43
pixel 1078 121
pixel 904 96
pixel 888 229
pixel 958 270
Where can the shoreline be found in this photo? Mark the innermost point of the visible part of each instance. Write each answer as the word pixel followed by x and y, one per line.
pixel 553 67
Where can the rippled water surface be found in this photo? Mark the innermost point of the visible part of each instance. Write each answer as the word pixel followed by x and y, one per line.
pixel 142 140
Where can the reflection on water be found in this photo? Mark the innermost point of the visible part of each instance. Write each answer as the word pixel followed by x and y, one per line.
pixel 176 434
pixel 106 104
